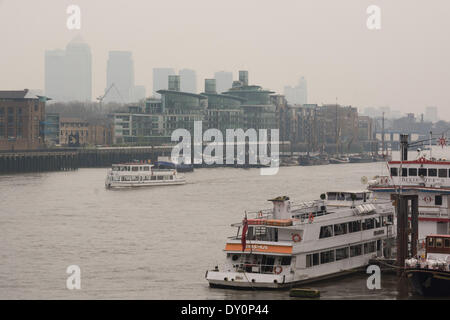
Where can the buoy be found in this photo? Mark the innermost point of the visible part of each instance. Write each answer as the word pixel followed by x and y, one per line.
pixel 304 293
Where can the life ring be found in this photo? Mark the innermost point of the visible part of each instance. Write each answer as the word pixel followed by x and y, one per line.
pixel 296 237
pixel 311 218
pixel 278 269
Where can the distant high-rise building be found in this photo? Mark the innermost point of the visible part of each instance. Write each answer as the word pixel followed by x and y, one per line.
pixel 174 83
pixel 297 94
pixel 188 80
pixel 224 81
pixel 160 78
pixel 431 114
pixel 120 72
pixel 68 74
pixel 138 93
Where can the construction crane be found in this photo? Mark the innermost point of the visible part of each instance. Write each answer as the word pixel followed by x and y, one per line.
pixel 100 98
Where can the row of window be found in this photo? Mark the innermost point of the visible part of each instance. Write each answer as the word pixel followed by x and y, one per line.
pixel 131 168
pixel 143 178
pixel 414 172
pixel 353 226
pixel 438 242
pixel 328 256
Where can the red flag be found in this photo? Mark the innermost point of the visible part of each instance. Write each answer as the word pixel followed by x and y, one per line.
pixel 244 233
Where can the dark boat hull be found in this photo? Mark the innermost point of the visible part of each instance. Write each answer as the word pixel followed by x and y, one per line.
pixel 431 283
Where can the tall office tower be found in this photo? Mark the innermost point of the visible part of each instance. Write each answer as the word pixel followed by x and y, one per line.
pixel 297 94
pixel 78 71
pixel 54 74
pixel 224 81
pixel 431 114
pixel 188 81
pixel 160 76
pixel 68 73
pixel 174 83
pixel 138 93
pixel 120 72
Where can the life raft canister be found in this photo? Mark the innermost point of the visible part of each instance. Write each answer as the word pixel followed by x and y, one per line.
pixel 278 269
pixel 296 237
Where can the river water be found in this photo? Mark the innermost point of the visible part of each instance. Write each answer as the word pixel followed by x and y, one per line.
pixel 150 243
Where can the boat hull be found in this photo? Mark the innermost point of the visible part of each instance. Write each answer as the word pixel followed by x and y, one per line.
pixel 115 185
pixel 431 283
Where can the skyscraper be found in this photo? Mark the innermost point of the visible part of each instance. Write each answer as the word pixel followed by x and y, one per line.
pixel 224 81
pixel 160 78
pixel 120 72
pixel 68 74
pixel 431 114
pixel 297 94
pixel 188 80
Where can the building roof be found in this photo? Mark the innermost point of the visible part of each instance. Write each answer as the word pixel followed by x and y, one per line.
pixel 227 96
pixel 199 96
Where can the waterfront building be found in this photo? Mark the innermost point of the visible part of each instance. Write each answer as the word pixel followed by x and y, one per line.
pixel 77 132
pixel 52 129
pixel 224 110
pixel 22 115
pixel 224 81
pixel 188 80
pixel 259 111
pixel 120 72
pixel 160 76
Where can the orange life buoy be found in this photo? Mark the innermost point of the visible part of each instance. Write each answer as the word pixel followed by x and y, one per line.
pixel 278 269
pixel 296 237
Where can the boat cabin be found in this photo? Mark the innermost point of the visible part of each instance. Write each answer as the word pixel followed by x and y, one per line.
pixel 438 243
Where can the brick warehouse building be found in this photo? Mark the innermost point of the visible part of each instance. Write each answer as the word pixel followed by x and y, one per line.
pixel 22 117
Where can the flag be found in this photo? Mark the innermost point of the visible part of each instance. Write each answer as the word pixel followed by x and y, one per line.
pixel 244 233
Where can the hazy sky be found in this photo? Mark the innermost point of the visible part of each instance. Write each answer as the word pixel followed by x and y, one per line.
pixel 405 65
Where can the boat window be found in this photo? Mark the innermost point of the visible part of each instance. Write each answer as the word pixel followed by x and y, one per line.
pixel 159 177
pixel 354 226
pixel 327 256
pixel 153 177
pixel 331 195
pixel 171 177
pixel 134 168
pixel 312 260
pixel 123 169
pixel 368 224
pixel 135 178
pixel 447 243
pixel 378 244
pixel 423 172
pixel 390 218
pixel 377 222
pixel 340 196
pixel 431 242
pixel 285 261
pixel 432 172
pixel 115 168
pixel 394 172
pixel 442 173
pixel 369 247
pixel 340 229
pixel 326 231
pixel 413 172
pixel 355 250
pixel 438 242
pixel 341 253
pixel 438 200
pixel 146 168
pixel 404 172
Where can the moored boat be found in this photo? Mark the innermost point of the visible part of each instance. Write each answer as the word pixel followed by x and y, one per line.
pixel 429 275
pixel 316 240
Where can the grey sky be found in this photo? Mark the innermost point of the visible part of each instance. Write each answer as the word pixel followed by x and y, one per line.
pixel 405 65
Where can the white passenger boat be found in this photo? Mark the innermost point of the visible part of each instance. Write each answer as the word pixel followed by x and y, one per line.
pixel 315 240
pixel 427 178
pixel 141 175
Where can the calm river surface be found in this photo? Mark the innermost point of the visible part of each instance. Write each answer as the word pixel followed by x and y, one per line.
pixel 150 243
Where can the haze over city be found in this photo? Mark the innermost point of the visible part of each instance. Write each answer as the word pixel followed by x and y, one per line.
pixel 403 65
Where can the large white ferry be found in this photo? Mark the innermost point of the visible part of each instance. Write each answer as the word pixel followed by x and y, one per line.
pixel 141 175
pixel 429 178
pixel 312 241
